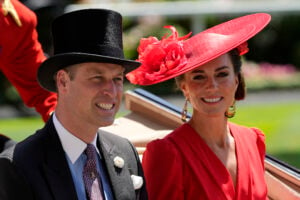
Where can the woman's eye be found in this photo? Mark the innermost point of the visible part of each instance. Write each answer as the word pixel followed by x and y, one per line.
pixel 222 74
pixel 198 77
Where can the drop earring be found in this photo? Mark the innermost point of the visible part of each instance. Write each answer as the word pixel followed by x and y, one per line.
pixel 231 111
pixel 184 111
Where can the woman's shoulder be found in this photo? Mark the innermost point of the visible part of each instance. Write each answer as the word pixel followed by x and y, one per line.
pixel 170 139
pixel 164 146
pixel 161 145
pixel 247 131
pixel 250 137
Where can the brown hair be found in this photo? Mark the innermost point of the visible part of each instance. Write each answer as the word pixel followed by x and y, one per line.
pixel 240 92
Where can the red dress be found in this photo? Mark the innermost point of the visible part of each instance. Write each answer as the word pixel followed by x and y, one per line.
pixel 20 56
pixel 182 166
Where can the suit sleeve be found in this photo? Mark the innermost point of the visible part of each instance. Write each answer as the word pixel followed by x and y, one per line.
pixel 163 171
pixel 20 56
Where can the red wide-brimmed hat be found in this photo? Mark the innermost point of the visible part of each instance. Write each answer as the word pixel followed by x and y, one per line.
pixel 172 56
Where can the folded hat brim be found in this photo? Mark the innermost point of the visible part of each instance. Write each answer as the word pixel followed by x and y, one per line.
pixel 50 66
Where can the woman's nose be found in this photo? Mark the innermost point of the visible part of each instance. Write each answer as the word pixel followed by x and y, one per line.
pixel 211 83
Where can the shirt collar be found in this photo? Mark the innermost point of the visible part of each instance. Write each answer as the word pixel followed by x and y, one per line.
pixel 72 145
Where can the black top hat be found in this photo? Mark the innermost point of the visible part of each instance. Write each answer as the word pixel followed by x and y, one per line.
pixel 90 35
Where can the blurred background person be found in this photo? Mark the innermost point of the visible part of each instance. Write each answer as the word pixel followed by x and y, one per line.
pixel 21 54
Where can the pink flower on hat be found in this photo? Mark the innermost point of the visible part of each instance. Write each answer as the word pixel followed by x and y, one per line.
pixel 159 57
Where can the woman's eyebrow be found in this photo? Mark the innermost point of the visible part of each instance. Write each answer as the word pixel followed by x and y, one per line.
pixel 221 68
pixel 198 71
pixel 218 69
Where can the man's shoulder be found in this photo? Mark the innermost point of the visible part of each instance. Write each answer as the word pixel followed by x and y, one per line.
pixel 118 144
pixel 108 136
pixel 14 152
pixel 31 148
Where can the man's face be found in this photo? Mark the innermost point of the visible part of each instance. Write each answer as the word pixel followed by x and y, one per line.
pixel 91 92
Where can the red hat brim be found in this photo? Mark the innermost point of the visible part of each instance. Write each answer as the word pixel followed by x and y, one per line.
pixel 214 42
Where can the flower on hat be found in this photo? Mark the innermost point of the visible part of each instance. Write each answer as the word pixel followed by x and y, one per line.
pixel 119 162
pixel 243 48
pixel 159 58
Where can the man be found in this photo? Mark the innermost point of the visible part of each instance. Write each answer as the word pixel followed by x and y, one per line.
pixel 87 72
pixel 21 54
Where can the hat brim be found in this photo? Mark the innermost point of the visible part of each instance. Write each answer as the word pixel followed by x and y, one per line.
pixel 223 38
pixel 214 42
pixel 49 67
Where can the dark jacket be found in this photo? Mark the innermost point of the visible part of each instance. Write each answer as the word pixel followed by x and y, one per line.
pixel 40 160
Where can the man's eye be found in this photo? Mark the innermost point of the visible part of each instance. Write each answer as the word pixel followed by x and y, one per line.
pixel 119 79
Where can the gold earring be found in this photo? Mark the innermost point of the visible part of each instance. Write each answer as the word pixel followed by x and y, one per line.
pixel 184 111
pixel 231 111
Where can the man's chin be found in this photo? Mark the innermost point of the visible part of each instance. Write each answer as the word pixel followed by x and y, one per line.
pixel 107 122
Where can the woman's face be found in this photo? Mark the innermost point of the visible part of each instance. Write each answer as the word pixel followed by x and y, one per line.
pixel 211 88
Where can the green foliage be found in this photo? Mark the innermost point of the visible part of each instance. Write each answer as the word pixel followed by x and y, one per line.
pixel 20 128
pixel 280 123
pixel 268 84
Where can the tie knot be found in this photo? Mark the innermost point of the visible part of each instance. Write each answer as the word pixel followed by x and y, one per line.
pixel 91 152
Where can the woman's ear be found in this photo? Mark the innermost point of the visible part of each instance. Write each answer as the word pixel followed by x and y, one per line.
pixel 241 88
pixel 237 81
pixel 183 88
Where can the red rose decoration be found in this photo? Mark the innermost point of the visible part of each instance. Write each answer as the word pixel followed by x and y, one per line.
pixel 159 58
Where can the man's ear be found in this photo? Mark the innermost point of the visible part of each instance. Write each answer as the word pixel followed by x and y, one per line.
pixel 62 78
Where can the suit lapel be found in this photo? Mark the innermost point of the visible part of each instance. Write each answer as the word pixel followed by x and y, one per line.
pixel 56 168
pixel 120 179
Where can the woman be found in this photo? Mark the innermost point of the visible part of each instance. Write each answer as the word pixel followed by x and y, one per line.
pixel 207 157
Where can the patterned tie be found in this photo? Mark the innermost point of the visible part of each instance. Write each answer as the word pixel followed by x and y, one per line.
pixel 91 176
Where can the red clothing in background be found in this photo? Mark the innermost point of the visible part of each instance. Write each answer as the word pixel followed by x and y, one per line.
pixel 20 56
pixel 182 166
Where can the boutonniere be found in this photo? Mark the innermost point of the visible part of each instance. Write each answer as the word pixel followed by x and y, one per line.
pixel 119 162
pixel 137 181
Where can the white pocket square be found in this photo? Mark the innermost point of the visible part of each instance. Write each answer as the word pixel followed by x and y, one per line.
pixel 137 181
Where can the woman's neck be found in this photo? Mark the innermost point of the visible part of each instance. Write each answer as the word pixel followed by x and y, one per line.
pixel 213 130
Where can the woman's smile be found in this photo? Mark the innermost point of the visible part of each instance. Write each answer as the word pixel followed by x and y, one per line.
pixel 212 100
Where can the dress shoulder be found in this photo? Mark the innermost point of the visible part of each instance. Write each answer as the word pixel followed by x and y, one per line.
pixel 161 149
pixel 253 137
pixel 260 142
